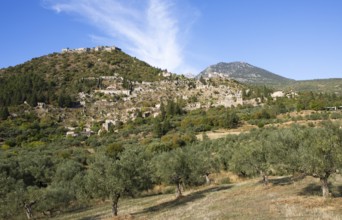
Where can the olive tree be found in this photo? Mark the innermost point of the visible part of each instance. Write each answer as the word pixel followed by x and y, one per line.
pixel 67 185
pixel 183 166
pixel 224 149
pixel 10 196
pixel 320 153
pixel 287 142
pixel 257 153
pixel 113 178
pixel 250 159
pixel 23 180
pixel 172 168
pixel 203 160
pixel 70 176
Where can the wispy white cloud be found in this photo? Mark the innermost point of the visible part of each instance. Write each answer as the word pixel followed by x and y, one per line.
pixel 149 29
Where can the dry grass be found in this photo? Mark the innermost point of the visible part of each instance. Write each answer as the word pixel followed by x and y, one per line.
pixel 220 133
pixel 245 199
pixel 245 127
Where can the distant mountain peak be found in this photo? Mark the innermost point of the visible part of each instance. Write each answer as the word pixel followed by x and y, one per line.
pixel 243 72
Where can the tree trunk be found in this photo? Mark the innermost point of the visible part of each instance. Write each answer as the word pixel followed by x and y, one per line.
pixel 207 180
pixel 179 190
pixel 115 201
pixel 324 186
pixel 28 214
pixel 28 209
pixel 264 178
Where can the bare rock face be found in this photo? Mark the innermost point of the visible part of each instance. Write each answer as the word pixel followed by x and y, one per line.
pixel 145 98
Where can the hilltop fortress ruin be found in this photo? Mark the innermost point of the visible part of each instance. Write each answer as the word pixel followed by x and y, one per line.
pixel 87 49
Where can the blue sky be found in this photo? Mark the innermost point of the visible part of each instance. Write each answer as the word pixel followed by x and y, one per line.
pixel 298 39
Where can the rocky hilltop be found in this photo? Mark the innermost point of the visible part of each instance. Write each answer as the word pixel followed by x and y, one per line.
pixel 109 87
pixel 243 72
pixel 249 74
pixel 115 103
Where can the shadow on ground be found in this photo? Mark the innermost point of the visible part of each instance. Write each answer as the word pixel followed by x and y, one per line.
pixel 284 181
pixel 80 210
pixel 183 200
pixel 313 189
pixel 94 217
pixel 338 191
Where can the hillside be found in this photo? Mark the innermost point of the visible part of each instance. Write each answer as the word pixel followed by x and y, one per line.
pixel 46 78
pixel 73 64
pixel 245 73
pixel 283 199
pixel 75 134
pixel 315 85
pixel 249 74
pixel 108 87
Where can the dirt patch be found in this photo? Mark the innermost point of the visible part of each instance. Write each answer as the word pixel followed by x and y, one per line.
pixel 221 133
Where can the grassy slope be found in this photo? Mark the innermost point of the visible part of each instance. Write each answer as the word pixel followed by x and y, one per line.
pixel 246 200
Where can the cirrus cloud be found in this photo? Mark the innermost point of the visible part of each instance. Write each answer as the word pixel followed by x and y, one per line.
pixel 149 29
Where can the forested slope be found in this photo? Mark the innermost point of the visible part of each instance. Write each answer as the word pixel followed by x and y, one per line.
pixel 46 78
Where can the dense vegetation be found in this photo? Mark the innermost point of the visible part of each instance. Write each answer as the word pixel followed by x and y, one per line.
pixel 57 77
pixel 31 88
pixel 48 177
pixel 318 85
pixel 43 172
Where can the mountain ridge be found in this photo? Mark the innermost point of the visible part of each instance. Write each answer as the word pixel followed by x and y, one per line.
pixel 244 73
